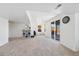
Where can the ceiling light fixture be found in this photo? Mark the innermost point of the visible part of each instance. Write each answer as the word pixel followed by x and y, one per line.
pixel 59 5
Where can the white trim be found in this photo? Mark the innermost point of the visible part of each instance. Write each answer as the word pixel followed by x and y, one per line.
pixel 1 44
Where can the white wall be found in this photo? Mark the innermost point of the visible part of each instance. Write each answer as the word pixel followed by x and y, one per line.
pixel 3 31
pixel 67 32
pixel 48 29
pixel 77 31
pixel 15 29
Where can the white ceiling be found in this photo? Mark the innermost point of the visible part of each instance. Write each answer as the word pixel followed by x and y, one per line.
pixel 70 7
pixel 16 11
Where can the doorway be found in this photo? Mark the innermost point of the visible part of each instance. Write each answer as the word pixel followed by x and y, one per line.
pixel 55 30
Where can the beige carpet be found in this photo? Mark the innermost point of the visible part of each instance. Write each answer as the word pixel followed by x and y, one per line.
pixel 38 46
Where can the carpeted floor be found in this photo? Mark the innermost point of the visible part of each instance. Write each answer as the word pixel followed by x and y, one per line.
pixel 38 46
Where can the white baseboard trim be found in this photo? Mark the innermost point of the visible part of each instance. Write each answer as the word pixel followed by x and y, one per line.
pixel 3 43
pixel 14 37
pixel 72 49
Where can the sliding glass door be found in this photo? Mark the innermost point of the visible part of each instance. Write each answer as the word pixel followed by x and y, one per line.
pixel 55 30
